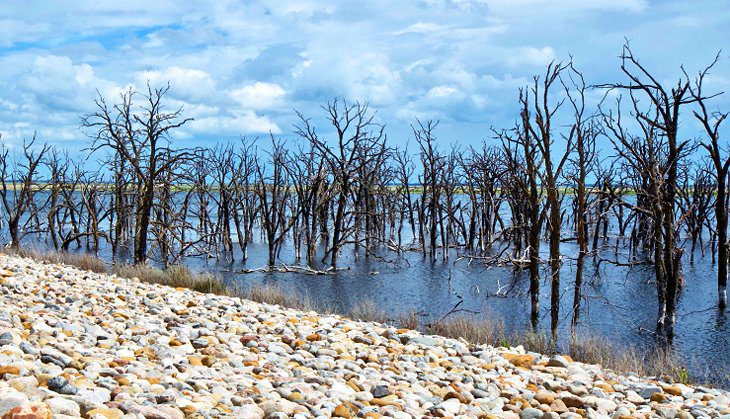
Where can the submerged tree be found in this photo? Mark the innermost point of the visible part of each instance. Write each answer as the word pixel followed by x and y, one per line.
pixel 657 154
pixel 582 160
pixel 139 136
pixel 540 130
pixel 19 187
pixel 358 140
pixel 720 158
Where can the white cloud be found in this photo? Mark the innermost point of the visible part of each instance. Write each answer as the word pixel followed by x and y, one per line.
pixel 60 84
pixel 420 27
pixel 14 31
pixel 259 95
pixel 8 105
pixel 239 67
pixel 441 91
pixel 564 6
pixel 530 56
pixel 246 122
pixel 185 83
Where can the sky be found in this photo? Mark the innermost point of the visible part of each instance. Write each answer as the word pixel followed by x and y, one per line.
pixel 241 68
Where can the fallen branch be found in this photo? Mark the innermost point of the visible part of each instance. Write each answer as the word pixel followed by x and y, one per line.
pixel 292 269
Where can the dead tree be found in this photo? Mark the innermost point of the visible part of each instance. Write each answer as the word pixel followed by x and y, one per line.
pixel 222 159
pixel 97 202
pixel 525 196
pixel 541 130
pixel 245 208
pixel 404 169
pixel 695 197
pixel 720 158
pixel 433 164
pixel 482 172
pixel 140 136
pixel 273 193
pixel 660 123
pixel 356 135
pixel 582 160
pixel 306 169
pixel 19 187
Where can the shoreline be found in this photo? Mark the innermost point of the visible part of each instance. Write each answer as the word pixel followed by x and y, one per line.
pixel 583 347
pixel 78 343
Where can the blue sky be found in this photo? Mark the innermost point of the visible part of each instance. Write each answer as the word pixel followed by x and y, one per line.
pixel 241 67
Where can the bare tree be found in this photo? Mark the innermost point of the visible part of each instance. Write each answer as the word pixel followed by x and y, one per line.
pixel 582 136
pixel 521 156
pixel 720 158
pixel 433 164
pixel 273 192
pixel 541 131
pixel 660 123
pixel 358 138
pixel 140 135
pixel 19 187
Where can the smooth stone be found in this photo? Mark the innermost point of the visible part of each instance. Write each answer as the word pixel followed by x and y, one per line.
pixel 61 406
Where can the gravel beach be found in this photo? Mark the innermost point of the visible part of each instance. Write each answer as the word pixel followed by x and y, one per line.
pixel 80 344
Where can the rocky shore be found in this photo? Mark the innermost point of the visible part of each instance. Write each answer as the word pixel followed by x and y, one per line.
pixel 75 343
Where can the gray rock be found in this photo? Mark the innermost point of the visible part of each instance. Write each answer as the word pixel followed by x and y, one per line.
pixel 665 412
pixel 200 343
pixel 426 340
pixel 165 397
pixel 29 349
pixel 62 386
pixel 531 413
pixel 380 391
pixel 53 356
pixel 6 338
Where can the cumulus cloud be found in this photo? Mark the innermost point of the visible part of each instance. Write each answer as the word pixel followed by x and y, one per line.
pixel 189 84
pixel 260 95
pixel 240 67
pixel 530 56
pixel 59 84
pixel 552 7
pixel 441 91
pixel 420 27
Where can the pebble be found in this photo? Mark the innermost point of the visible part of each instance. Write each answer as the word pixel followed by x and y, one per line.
pixel 61 385
pixel 98 346
pixel 6 338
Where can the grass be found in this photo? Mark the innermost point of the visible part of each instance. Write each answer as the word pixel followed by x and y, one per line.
pixel 275 294
pixel 83 261
pixel 368 311
pixel 660 362
pixel 176 276
pixel 409 320
pixel 478 332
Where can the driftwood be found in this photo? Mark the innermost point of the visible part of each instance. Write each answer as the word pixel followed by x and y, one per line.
pixel 292 269
pixel 456 309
